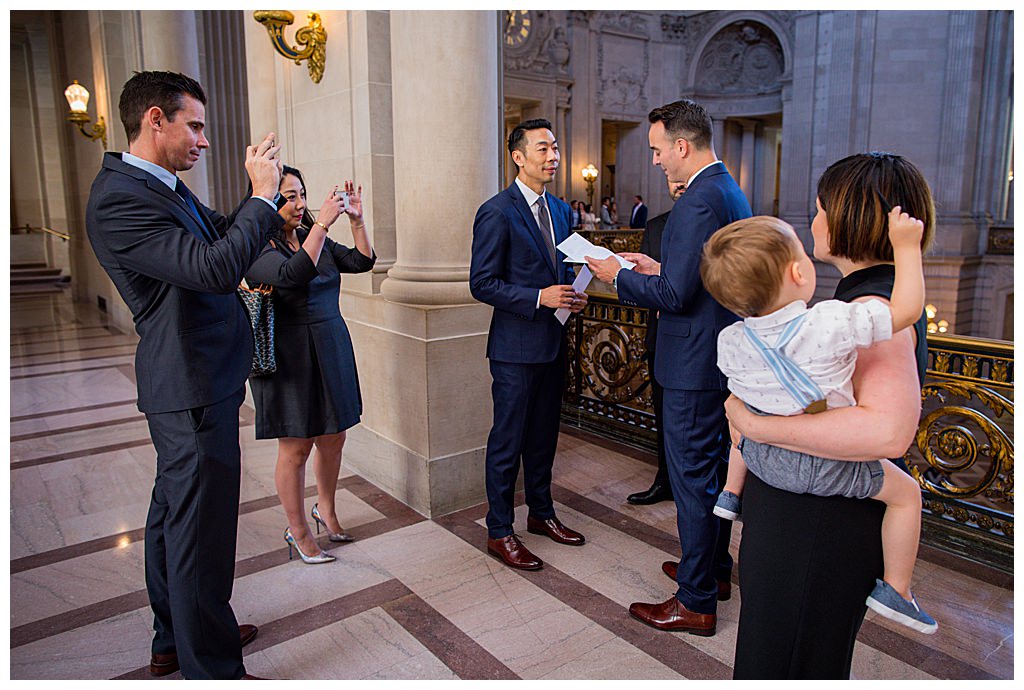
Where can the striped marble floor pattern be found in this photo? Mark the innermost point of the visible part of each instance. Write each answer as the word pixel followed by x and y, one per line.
pixel 411 598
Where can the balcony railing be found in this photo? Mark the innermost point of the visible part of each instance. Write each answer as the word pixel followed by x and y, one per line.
pixel 962 457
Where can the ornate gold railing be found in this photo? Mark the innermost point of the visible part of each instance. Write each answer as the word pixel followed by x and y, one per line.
pixel 962 457
pixel 963 451
pixel 617 240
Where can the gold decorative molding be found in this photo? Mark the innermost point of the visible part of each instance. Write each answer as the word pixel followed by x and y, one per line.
pixel 971 453
pixel 312 37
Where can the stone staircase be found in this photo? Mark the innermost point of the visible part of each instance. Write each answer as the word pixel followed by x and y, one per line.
pixel 35 277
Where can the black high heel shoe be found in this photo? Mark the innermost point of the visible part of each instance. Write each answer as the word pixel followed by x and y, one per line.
pixel 343 536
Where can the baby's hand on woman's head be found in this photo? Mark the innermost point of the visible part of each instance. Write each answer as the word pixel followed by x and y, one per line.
pixel 904 230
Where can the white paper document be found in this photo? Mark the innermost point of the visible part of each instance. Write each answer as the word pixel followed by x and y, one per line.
pixel 577 248
pixel 581 283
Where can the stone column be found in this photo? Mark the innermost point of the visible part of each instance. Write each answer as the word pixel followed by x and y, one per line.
pixel 420 343
pixel 169 41
pixel 446 114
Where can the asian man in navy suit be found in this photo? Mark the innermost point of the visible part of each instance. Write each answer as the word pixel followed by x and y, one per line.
pixel 517 269
pixel 696 432
pixel 177 265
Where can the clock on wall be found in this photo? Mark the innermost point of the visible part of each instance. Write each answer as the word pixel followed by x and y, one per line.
pixel 517 27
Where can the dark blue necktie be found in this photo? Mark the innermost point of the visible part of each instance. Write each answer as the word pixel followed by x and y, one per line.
pixel 185 194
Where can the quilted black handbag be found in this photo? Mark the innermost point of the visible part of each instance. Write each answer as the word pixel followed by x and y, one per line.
pixel 260 303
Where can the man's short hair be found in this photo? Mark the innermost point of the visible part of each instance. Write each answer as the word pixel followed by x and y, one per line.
pixel 517 139
pixel 857 194
pixel 685 119
pixel 744 263
pixel 166 90
pixel 639 198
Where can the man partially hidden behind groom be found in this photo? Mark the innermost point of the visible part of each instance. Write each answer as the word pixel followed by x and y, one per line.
pixel 177 265
pixel 517 269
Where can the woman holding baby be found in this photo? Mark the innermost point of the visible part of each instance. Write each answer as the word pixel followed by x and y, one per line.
pixel 808 563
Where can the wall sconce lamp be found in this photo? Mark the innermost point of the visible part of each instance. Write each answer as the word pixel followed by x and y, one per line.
pixel 312 37
pixel 940 326
pixel 589 176
pixel 78 101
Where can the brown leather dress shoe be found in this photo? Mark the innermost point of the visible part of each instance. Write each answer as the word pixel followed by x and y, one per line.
pixel 724 588
pixel 510 551
pixel 671 615
pixel 553 528
pixel 166 664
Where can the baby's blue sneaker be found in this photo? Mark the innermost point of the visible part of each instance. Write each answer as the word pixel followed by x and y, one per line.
pixel 888 602
pixel 728 506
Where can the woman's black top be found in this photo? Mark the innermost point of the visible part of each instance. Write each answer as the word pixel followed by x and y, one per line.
pixel 315 390
pixel 807 563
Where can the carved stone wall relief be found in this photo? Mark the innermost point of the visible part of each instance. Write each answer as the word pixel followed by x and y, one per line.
pixel 623 66
pixel 744 57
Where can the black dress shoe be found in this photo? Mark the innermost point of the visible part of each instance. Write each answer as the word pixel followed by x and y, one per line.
pixel 656 494
pixel 166 664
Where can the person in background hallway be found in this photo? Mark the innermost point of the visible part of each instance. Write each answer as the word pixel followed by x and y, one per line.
pixel 824 553
pixel 313 397
pixel 638 216
pixel 177 265
pixel 589 221
pixel 577 211
pixel 606 213
pixel 650 245
pixel 696 433
pixel 517 269
pixel 613 212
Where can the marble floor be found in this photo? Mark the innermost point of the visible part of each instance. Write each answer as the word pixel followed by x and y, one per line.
pixel 411 598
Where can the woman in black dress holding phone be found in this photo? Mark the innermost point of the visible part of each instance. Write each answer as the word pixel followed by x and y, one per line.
pixel 313 397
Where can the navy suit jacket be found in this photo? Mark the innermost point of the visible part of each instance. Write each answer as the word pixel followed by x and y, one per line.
pixel 639 219
pixel 510 264
pixel 690 319
pixel 195 346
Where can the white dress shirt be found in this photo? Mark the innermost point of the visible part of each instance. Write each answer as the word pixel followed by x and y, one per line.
pixel 531 201
pixel 825 347
pixel 694 175
pixel 165 175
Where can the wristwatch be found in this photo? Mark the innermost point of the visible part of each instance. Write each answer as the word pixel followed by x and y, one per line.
pixel 615 280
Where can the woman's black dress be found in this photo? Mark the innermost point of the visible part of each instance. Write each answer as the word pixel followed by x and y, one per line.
pixel 807 563
pixel 315 390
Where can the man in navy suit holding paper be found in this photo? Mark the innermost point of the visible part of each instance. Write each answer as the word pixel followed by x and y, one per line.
pixel 517 269
pixel 696 431
pixel 177 265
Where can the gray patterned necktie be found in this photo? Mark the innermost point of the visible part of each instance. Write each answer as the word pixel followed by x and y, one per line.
pixel 545 226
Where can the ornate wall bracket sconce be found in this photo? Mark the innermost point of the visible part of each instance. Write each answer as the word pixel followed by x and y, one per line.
pixel 78 102
pixel 312 38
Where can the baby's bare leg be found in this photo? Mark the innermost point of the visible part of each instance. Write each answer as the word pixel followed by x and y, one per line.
pixel 901 526
pixel 737 476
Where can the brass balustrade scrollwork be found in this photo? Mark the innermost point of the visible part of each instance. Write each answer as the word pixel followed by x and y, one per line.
pixel 627 240
pixel 611 362
pixel 948 439
pixel 963 451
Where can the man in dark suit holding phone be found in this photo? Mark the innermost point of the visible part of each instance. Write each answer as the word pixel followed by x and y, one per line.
pixel 177 265
pixel 516 269
pixel 696 431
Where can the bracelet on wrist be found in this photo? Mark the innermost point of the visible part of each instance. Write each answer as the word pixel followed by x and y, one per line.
pixel 321 225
